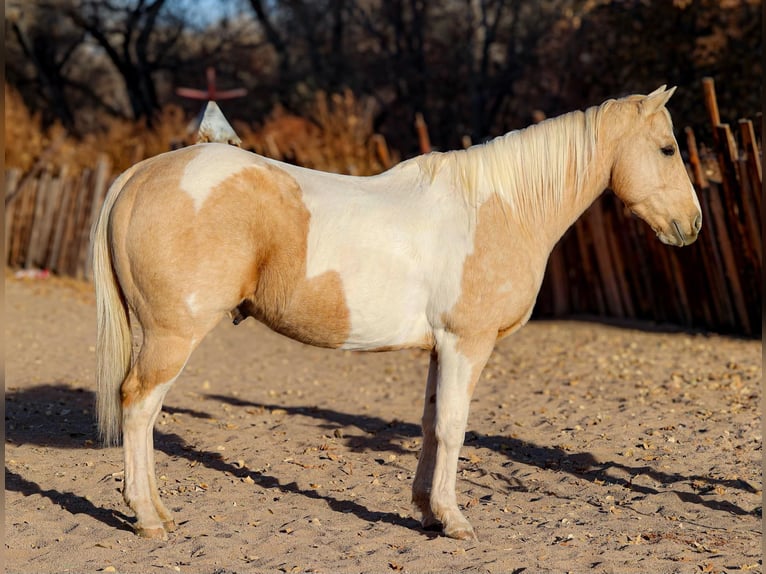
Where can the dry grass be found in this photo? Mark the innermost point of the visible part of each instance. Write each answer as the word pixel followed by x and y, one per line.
pixel 29 144
pixel 127 142
pixel 336 136
pixel 24 137
pixel 53 176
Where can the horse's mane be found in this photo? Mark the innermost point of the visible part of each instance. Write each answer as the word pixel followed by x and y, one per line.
pixel 528 168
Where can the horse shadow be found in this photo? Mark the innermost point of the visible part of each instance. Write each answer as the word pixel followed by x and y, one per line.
pixel 69 501
pixel 58 416
pixel 55 415
pixel 384 436
pixel 175 446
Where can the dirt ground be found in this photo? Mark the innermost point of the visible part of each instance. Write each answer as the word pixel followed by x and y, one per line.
pixel 590 448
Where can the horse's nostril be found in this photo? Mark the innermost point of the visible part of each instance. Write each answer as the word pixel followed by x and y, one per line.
pixel 698 223
pixel 679 234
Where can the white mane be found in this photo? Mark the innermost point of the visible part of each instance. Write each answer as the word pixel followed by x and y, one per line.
pixel 531 169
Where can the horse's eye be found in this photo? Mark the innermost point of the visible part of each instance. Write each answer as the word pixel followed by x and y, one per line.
pixel 668 150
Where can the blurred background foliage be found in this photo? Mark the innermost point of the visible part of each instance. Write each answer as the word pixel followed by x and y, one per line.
pixel 100 75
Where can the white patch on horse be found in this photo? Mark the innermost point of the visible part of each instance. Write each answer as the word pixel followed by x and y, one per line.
pixel 390 242
pixel 191 303
pixel 214 164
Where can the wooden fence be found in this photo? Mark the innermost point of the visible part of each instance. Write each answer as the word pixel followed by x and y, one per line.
pixel 48 216
pixel 608 264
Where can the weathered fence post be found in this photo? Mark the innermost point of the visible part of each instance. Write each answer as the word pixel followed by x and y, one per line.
pixel 62 212
pixel 422 129
pixel 43 186
pixel 100 187
pixel 12 177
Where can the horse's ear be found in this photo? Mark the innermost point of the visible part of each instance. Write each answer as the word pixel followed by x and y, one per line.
pixel 654 101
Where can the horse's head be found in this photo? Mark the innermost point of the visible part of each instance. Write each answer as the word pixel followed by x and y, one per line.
pixel 648 173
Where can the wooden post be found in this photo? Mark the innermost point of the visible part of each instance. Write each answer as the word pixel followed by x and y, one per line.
pixel 80 239
pixel 603 259
pixel 712 262
pixel 727 159
pixel 62 211
pixel 100 187
pixel 55 189
pixel 592 286
pixel 618 264
pixel 12 177
pixel 19 200
pixel 69 243
pixel 694 160
pixel 683 309
pixel 381 148
pixel 753 158
pixel 711 104
pixel 28 189
pixel 33 246
pixel 422 129
pixel 139 153
pixel 661 279
pixel 558 281
pixel 731 268
pixel 636 237
pixel 752 221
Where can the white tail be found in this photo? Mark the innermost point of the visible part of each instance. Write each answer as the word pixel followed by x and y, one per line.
pixel 114 347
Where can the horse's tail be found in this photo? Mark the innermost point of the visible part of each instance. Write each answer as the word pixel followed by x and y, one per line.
pixel 114 348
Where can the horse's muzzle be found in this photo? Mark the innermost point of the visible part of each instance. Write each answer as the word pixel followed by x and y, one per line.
pixel 678 236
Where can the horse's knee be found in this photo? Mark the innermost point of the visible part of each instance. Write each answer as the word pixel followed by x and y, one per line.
pixel 450 432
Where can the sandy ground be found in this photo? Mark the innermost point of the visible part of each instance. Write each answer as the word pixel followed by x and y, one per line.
pixel 590 448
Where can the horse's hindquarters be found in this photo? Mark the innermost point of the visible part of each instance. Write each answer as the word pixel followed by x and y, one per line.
pixel 190 248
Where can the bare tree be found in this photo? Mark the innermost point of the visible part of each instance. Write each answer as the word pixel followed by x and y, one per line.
pixel 477 67
pixel 126 31
pixel 275 38
pixel 47 46
pixel 308 39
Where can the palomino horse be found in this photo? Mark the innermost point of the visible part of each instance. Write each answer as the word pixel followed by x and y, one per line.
pixel 444 252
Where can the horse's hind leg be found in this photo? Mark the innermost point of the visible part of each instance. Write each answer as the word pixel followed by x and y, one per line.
pixel 160 361
pixel 421 486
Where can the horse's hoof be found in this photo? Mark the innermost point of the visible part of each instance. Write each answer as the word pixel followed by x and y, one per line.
pixel 432 525
pixel 169 525
pixel 462 533
pixel 158 533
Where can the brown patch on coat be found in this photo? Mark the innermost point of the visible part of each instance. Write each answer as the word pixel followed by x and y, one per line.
pixel 245 248
pixel 499 286
pixel 275 290
pixel 148 243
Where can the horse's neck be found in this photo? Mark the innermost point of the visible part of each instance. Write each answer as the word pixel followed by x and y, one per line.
pixel 542 203
pixel 578 199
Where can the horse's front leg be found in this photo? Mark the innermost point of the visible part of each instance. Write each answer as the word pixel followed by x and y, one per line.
pixel 459 364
